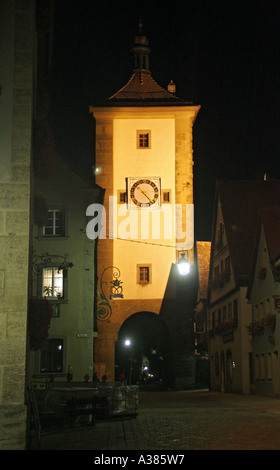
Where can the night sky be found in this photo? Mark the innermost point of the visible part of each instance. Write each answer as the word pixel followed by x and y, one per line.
pixel 222 55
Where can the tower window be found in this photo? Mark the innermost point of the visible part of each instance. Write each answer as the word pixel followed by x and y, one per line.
pixel 143 139
pixel 121 197
pixel 144 274
pixel 166 196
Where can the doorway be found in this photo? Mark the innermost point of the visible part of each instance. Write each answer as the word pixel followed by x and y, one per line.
pixel 142 351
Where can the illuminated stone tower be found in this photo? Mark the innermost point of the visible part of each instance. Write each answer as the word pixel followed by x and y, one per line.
pixel 144 162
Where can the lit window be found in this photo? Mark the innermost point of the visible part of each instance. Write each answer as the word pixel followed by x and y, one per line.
pixel 55 226
pixel 143 139
pixel 144 274
pixel 51 356
pixel 52 283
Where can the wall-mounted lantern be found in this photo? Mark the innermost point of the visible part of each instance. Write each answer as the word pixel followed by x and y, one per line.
pixel 104 309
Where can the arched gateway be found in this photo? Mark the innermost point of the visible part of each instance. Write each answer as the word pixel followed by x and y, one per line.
pixel 143 349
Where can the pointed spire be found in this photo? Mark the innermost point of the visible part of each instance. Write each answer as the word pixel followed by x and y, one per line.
pixel 141 51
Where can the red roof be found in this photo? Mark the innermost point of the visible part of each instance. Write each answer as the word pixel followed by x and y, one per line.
pixel 142 86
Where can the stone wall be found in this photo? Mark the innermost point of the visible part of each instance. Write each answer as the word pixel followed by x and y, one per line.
pixel 16 80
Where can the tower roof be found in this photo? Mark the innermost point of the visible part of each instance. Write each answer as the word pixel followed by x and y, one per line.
pixel 142 89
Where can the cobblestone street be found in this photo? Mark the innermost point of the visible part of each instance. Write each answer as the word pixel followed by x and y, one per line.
pixel 198 420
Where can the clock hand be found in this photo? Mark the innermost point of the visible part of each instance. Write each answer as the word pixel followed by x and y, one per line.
pixel 145 195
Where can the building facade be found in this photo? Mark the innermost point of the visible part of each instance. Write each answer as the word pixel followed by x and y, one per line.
pixel 63 273
pixel 236 210
pixel 263 295
pixel 144 161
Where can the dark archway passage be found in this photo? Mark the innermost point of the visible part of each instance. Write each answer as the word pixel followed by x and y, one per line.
pixel 147 358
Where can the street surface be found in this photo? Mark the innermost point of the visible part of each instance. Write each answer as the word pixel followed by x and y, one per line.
pixel 178 421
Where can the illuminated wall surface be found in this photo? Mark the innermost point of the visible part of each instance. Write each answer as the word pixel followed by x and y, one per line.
pixel 170 159
pixel 157 161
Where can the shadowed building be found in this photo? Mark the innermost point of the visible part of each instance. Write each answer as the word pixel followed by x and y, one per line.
pixel 264 296
pixel 236 213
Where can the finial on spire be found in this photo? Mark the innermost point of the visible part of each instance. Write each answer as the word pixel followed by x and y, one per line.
pixel 140 26
pixel 141 50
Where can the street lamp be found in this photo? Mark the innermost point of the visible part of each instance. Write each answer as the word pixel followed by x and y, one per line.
pixel 128 344
pixel 183 265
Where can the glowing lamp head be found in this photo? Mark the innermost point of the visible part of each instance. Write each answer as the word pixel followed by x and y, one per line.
pixel 183 266
pixel 98 170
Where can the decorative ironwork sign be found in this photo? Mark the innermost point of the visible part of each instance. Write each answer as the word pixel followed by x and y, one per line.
pixel 45 259
pixel 53 271
pixel 115 291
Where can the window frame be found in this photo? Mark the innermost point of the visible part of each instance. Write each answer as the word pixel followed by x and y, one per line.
pixel 53 277
pixel 144 282
pixel 38 358
pixel 122 197
pixel 140 136
pixel 54 235
pixel 166 196
pixel 40 282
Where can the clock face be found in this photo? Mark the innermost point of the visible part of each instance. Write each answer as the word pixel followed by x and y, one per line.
pixel 144 192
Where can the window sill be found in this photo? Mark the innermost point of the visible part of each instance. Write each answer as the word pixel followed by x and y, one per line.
pixel 56 301
pixel 41 375
pixel 51 237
